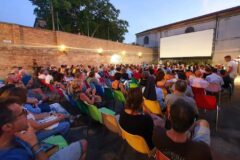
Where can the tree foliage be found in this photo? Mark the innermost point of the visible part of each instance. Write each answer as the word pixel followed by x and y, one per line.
pixel 95 18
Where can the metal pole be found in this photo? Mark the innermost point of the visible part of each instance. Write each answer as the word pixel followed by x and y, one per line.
pixel 57 21
pixel 52 12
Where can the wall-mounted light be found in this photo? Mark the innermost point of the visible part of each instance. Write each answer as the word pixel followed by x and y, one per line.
pixel 99 50
pixel 123 53
pixel 139 54
pixel 62 48
pixel 115 59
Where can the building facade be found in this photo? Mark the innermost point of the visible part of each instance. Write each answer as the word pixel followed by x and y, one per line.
pixel 226 25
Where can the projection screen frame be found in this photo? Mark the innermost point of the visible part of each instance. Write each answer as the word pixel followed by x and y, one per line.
pixel 212 51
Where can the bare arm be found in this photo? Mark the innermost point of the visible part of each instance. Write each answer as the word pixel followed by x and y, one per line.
pixel 40 126
pixel 84 97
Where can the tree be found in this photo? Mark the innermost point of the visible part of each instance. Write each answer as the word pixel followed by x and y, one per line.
pixel 95 18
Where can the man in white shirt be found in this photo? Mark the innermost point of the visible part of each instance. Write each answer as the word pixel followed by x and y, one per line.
pixel 232 68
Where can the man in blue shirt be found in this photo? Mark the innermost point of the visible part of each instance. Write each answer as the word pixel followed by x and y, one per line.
pixel 19 142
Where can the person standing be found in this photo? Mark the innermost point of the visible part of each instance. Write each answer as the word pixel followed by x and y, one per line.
pixel 232 69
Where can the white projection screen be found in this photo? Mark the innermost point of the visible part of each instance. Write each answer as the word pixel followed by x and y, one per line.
pixel 195 44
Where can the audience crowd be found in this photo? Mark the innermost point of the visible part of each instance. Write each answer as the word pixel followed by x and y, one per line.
pixel 31 110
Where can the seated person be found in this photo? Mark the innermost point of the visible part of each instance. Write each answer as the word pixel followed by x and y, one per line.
pixel 226 79
pixel 179 93
pixel 216 80
pixel 45 124
pixel 33 107
pixel 133 120
pixel 199 82
pixel 161 82
pixel 18 140
pixel 117 85
pixel 149 91
pixel 79 89
pixel 188 92
pixel 33 92
pixel 160 98
pixel 125 75
pixel 92 80
pixel 208 71
pixel 178 142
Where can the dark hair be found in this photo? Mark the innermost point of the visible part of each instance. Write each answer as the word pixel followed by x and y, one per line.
pixel 228 57
pixel 214 70
pixel 118 69
pixel 182 115
pixel 151 71
pixel 5 113
pixel 208 69
pixel 181 85
pixel 117 76
pixel 92 74
pixel 134 99
pixel 17 92
pixel 223 72
pixel 182 76
pixel 160 75
pixel 6 87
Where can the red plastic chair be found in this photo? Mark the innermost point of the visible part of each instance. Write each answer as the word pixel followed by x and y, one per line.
pixel 198 91
pixel 207 102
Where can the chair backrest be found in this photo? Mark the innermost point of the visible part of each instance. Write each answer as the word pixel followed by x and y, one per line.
pixel 214 87
pixel 57 140
pixel 206 102
pixel 111 123
pixel 136 142
pixel 82 107
pixel 160 156
pixel 108 93
pixel 94 113
pixel 153 106
pixel 119 96
pixel 198 91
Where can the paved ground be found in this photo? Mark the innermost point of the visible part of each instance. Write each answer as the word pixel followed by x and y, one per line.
pixel 225 143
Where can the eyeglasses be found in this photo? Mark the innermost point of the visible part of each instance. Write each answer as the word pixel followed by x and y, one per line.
pixel 23 112
pixel 11 119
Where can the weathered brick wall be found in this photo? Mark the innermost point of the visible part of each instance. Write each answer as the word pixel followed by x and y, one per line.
pixel 19 45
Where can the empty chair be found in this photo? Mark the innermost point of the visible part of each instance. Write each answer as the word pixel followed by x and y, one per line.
pixel 207 103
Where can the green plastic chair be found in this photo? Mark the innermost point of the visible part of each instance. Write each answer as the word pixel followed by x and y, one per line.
pixel 118 95
pixel 83 107
pixel 106 111
pixel 57 140
pixel 108 93
pixel 94 113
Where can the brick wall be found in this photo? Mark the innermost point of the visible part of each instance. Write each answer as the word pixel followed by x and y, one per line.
pixel 19 45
